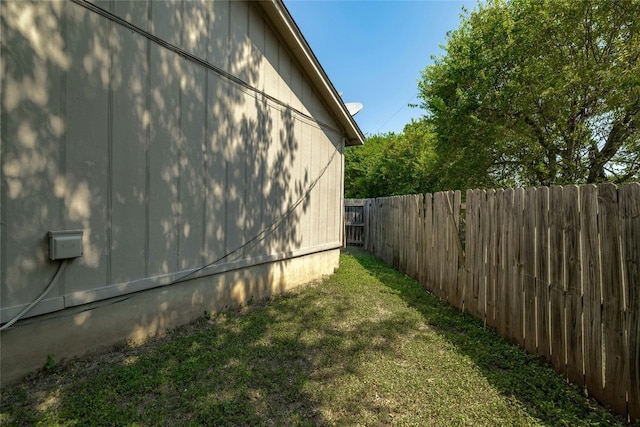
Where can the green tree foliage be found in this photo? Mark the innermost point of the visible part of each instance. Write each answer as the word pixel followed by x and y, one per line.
pixel 391 164
pixel 535 92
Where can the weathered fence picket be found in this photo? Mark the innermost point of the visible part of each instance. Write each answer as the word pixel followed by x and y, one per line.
pixel 592 291
pixel 616 370
pixel 556 270
pixel 629 197
pixel 543 331
pixel 557 290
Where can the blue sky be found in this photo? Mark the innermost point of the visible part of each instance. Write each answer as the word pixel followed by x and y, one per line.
pixel 373 51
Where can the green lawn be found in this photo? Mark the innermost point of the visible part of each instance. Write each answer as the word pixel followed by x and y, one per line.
pixel 367 346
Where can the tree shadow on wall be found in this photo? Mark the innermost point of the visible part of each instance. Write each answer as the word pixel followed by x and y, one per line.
pixel 166 165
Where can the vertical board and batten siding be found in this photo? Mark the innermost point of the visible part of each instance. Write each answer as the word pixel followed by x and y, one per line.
pixel 555 270
pixel 165 164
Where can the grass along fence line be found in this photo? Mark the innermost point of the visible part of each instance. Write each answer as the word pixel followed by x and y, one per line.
pixel 555 270
pixel 367 346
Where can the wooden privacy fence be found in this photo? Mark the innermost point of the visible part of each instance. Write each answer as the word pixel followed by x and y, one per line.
pixel 556 270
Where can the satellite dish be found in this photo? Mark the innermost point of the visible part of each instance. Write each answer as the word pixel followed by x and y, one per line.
pixel 353 107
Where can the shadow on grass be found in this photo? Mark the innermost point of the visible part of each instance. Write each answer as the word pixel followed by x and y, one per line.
pixel 231 369
pixel 288 361
pixel 543 393
pixel 331 354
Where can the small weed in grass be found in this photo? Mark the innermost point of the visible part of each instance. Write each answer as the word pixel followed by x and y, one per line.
pixel 367 346
pixel 50 363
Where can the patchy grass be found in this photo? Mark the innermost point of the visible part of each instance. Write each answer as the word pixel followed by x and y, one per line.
pixel 367 346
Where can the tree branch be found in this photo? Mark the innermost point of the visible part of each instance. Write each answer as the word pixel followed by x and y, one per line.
pixel 619 131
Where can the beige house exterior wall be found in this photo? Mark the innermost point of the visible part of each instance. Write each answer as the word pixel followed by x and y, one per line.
pixel 183 138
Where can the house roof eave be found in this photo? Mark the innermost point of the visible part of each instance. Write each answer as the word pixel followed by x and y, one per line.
pixel 292 36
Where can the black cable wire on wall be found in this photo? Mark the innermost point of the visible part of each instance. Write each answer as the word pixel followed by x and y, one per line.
pixel 258 237
pixel 265 231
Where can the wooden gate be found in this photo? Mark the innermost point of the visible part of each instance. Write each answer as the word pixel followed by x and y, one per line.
pixel 354 222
